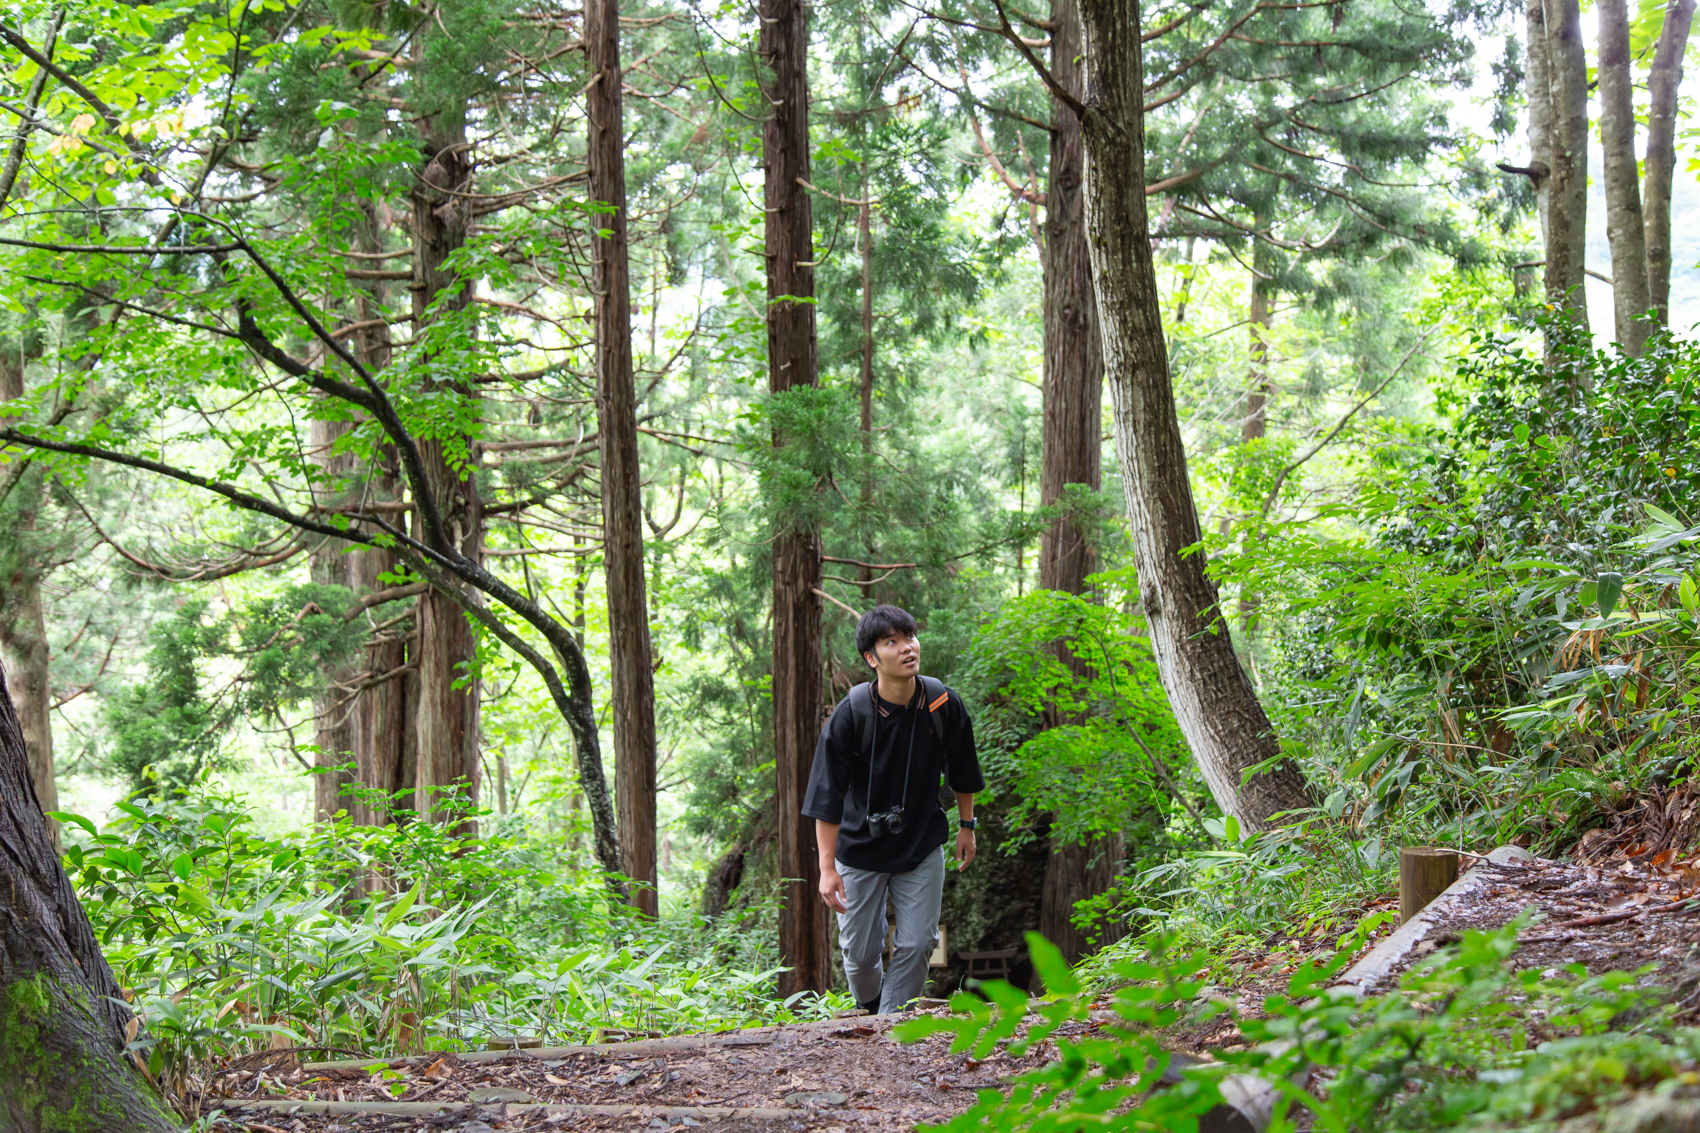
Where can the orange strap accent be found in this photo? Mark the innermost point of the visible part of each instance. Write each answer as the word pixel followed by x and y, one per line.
pixel 934 706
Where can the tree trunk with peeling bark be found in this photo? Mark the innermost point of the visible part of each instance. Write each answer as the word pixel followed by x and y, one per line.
pixel 333 720
pixel 789 244
pixel 445 716
pixel 629 652
pixel 1213 702
pixel 1663 81
pixel 1625 224
pixel 1073 393
pixel 63 1068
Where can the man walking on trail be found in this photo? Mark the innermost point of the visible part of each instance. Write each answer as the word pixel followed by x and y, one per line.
pixel 874 796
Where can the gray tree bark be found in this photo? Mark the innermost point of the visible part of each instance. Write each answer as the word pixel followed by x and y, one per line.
pixel 1663 81
pixel 1213 702
pixel 1567 200
pixel 783 46
pixel 1625 224
pixel 1538 87
pixel 62 1027
pixel 629 652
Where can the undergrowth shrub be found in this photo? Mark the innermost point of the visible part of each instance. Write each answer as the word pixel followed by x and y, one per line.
pixel 1464 1042
pixel 386 940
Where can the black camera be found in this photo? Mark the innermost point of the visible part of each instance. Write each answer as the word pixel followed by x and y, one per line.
pixel 886 822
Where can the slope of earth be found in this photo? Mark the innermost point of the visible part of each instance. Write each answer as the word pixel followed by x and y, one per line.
pixel 1635 911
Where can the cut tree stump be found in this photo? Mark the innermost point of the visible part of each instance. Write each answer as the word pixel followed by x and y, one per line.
pixel 1424 874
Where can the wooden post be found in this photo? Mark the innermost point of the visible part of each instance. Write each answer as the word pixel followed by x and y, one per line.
pixel 1424 873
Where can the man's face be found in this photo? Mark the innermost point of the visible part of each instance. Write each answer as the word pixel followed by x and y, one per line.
pixel 897 654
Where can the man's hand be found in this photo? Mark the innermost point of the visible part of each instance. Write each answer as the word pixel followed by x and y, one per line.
pixel 832 890
pixel 964 849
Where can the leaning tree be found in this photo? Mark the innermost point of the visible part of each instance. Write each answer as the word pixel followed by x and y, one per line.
pixel 63 1023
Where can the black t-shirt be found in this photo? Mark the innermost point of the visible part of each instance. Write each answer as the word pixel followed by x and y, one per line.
pixel 839 780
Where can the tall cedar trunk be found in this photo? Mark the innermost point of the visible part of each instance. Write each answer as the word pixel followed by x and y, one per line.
pixel 1073 389
pixel 1214 704
pixel 1073 394
pixel 865 223
pixel 789 238
pixel 1625 226
pixel 1538 87
pixel 1567 200
pixel 1662 83
pixel 445 717
pixel 630 665
pixel 333 720
pixel 62 1062
pixel 23 628
pixel 383 714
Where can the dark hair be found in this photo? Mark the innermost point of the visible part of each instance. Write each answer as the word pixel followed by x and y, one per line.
pixel 880 621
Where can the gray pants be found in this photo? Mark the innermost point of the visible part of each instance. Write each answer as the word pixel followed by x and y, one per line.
pixel 861 931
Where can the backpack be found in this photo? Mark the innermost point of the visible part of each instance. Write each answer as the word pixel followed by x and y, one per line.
pixel 862 714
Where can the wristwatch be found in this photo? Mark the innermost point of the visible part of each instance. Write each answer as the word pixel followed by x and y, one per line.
pixel 968 823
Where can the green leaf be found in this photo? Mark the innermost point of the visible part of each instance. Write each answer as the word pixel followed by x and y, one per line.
pixel 75 819
pixel 183 866
pixel 1052 968
pixel 1521 432
pixel 402 906
pixel 1371 759
pixel 1607 591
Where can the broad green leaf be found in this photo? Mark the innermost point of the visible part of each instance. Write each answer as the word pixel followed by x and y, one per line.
pixel 75 819
pixel 399 910
pixel 1607 591
pixel 1052 968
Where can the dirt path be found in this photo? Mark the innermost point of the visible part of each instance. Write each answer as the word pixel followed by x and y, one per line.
pixel 845 1074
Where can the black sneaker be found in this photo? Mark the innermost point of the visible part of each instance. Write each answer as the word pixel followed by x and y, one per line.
pixel 872 1006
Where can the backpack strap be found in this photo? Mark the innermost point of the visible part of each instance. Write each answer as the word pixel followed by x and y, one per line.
pixel 862 715
pixel 936 697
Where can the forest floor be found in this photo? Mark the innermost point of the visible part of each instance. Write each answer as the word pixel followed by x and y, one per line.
pixel 829 1077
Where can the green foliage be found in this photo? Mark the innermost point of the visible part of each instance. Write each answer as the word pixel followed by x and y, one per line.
pixel 385 939
pixel 1492 641
pixel 1072 722
pixel 1464 1042
pixel 164 729
pixel 167 731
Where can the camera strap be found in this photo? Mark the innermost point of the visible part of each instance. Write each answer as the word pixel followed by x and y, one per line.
pixel 872 737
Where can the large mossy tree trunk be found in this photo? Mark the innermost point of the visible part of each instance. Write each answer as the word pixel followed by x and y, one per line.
pixel 1214 704
pixel 630 664
pixel 789 237
pixel 62 1062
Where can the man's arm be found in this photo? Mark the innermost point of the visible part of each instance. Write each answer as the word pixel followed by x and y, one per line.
pixel 832 885
pixel 964 838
